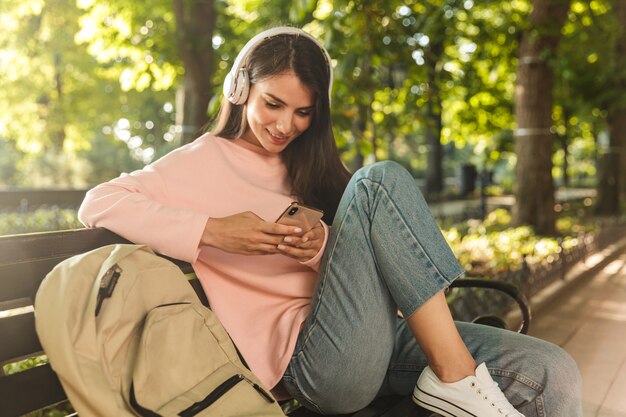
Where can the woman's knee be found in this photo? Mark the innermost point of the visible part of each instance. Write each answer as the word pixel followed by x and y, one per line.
pixel 347 398
pixel 384 171
pixel 563 381
pixel 341 389
pixel 556 381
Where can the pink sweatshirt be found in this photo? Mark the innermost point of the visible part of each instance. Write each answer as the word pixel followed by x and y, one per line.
pixel 261 300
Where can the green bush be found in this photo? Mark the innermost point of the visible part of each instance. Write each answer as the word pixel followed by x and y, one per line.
pixel 44 219
pixel 59 410
pixel 13 368
pixel 493 245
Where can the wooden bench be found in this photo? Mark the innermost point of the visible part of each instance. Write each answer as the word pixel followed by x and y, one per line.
pixel 24 262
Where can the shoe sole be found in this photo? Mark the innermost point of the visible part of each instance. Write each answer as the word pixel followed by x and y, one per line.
pixel 439 405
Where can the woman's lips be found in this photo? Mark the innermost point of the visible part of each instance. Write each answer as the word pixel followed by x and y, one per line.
pixel 278 138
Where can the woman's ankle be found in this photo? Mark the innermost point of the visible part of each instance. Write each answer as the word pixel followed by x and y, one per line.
pixel 453 371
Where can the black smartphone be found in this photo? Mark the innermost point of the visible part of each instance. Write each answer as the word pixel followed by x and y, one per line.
pixel 300 215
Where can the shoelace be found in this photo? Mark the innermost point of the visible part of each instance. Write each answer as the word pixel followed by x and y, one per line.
pixel 494 395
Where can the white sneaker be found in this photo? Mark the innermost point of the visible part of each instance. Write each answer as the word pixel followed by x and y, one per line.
pixel 473 396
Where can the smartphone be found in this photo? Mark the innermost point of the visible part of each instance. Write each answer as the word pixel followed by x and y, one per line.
pixel 300 215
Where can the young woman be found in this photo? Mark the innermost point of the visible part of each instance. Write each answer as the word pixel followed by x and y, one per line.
pixel 314 312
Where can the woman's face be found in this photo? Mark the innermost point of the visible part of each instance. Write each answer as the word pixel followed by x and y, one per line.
pixel 278 110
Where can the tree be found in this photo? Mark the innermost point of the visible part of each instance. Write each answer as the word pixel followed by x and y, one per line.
pixel 157 45
pixel 393 80
pixel 430 77
pixel 591 90
pixel 617 114
pixel 58 100
pixel 612 182
pixel 534 189
pixel 195 24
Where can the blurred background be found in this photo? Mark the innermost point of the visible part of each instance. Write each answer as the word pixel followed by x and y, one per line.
pixel 518 105
pixel 93 88
pixel 510 114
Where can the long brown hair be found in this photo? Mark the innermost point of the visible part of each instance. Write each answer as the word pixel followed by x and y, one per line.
pixel 316 173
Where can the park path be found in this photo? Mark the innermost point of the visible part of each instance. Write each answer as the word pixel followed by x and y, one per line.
pixel 588 319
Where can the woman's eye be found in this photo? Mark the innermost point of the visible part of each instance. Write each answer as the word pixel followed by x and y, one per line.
pixel 305 113
pixel 271 105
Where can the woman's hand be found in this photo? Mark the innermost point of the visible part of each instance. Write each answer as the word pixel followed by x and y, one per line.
pixel 246 234
pixel 304 247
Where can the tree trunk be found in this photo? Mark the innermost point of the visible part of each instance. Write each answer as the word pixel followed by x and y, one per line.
pixel 358 132
pixel 564 142
pixel 611 179
pixel 195 21
pixel 434 163
pixel 56 119
pixel 607 202
pixel 618 122
pixel 534 189
pixel 363 111
pixel 610 176
pixel 618 142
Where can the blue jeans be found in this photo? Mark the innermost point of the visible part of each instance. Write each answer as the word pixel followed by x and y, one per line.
pixel 385 253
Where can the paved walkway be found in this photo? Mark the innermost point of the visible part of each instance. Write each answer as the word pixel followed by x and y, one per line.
pixel 588 319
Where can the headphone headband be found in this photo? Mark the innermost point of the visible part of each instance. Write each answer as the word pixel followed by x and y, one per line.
pixel 237 83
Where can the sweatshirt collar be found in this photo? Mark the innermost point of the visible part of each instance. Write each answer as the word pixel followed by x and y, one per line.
pixel 254 148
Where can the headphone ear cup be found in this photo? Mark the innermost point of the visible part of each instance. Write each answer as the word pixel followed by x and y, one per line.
pixel 229 86
pixel 242 87
pixel 236 88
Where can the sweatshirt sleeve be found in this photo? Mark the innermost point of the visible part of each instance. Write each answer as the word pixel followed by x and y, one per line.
pixel 314 262
pixel 139 207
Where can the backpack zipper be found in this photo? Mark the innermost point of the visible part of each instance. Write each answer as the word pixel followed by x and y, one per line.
pixel 219 392
pixel 260 390
pixel 107 285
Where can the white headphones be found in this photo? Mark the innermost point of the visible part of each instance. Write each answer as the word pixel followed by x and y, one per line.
pixel 237 82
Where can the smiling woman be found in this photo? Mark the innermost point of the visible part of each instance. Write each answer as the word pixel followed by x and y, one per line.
pixel 303 306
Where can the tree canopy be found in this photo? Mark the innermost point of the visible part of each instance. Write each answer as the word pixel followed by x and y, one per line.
pixel 95 87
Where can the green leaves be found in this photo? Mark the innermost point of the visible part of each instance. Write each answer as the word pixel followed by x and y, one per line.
pixel 493 246
pixel 72 71
pixel 40 220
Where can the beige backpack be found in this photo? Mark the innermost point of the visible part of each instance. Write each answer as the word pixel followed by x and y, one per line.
pixel 127 335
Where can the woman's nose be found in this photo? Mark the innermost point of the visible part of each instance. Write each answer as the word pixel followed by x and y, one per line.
pixel 284 123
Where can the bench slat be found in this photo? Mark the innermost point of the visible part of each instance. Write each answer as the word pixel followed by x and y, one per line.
pixel 61 245
pixel 22 280
pixel 19 338
pixel 26 259
pixel 25 248
pixel 15 303
pixel 29 390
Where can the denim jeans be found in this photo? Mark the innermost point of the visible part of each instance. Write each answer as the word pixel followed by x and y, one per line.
pixel 386 253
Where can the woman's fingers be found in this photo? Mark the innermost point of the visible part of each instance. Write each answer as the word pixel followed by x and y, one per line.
pixel 300 254
pixel 280 229
pixel 246 234
pixel 303 247
pixel 316 233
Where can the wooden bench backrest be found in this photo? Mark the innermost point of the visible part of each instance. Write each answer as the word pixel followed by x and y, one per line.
pixel 24 262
